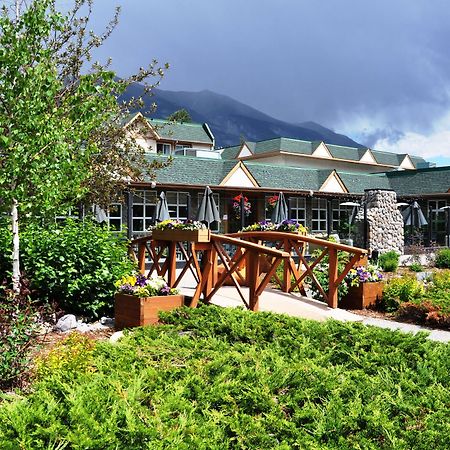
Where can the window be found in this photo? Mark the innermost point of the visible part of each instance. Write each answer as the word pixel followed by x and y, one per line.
pixel 115 217
pixel 215 225
pixel 340 217
pixel 68 213
pixel 297 209
pixel 319 214
pixel 163 149
pixel 143 209
pixel 178 205
pixel 437 220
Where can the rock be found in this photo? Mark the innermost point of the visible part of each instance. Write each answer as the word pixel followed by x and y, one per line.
pixel 116 336
pixel 66 323
pixel 83 327
pixel 108 321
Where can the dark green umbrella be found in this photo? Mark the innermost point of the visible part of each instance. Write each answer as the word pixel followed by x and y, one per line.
pixel 280 211
pixel 162 209
pixel 208 211
pixel 414 216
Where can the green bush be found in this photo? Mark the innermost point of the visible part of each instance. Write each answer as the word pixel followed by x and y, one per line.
pixel 416 267
pixel 443 258
pixel 400 290
pixel 17 327
pixel 74 265
pixel 223 378
pixel 389 261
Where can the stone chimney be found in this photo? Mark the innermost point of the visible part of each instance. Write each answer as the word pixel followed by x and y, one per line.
pixel 384 221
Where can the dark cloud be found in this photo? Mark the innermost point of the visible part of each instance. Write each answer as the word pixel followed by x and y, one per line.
pixel 341 63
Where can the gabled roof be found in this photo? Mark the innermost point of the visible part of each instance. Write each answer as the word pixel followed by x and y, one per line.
pixel 183 132
pixel 230 152
pixel 349 153
pixel 357 182
pixel 420 181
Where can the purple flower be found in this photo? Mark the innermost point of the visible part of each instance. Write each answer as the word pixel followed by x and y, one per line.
pixel 141 280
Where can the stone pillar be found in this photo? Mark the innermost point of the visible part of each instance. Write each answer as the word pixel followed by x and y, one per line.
pixel 384 221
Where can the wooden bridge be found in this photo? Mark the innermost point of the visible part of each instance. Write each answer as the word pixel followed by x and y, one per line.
pixel 247 259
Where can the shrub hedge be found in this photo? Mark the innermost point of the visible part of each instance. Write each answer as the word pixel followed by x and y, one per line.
pixel 216 378
pixel 74 264
pixel 443 258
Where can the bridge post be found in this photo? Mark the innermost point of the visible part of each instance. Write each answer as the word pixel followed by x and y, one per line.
pixel 332 277
pixel 141 257
pixel 253 278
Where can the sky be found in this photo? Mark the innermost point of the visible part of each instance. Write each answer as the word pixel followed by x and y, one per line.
pixel 378 71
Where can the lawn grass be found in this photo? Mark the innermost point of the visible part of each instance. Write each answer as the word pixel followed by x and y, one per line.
pixel 215 378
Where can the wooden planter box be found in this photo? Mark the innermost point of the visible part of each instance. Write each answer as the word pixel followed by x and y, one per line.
pixel 132 311
pixel 182 235
pixel 362 296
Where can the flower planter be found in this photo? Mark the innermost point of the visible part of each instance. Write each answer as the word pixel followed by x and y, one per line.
pixel 182 235
pixel 132 311
pixel 362 296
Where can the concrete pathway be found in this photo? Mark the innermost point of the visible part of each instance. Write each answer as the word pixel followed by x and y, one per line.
pixel 298 306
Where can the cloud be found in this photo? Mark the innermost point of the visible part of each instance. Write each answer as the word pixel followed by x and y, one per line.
pixel 434 145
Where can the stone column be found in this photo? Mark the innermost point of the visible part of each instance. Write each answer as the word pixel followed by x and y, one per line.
pixel 384 221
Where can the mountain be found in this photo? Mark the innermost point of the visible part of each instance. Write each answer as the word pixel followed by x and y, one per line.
pixel 231 121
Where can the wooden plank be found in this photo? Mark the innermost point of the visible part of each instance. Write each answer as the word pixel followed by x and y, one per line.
pixel 332 277
pixel 253 279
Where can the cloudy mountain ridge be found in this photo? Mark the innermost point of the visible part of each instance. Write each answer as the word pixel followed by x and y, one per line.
pixel 231 121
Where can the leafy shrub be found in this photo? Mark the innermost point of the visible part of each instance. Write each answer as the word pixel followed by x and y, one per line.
pixel 443 258
pixel 219 378
pixel 69 356
pixel 17 326
pixel 416 267
pixel 74 265
pixel 389 261
pixel 400 290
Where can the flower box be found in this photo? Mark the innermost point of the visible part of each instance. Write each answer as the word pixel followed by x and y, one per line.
pixel 182 235
pixel 362 296
pixel 133 311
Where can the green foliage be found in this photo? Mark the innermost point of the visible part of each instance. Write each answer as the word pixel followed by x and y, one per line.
pixel 17 326
pixel 443 258
pixel 416 267
pixel 70 356
pixel 389 261
pixel 75 264
pixel 399 290
pixel 181 116
pixel 215 378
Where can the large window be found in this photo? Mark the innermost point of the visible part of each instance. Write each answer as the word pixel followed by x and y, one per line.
pixel 178 204
pixel 319 214
pixel 143 209
pixel 297 209
pixel 341 216
pixel 215 225
pixel 437 220
pixel 163 149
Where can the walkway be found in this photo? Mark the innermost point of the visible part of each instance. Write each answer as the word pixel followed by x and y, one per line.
pixel 295 305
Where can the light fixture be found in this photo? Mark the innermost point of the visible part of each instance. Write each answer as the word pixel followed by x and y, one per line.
pixel 349 204
pixel 444 208
pixel 402 204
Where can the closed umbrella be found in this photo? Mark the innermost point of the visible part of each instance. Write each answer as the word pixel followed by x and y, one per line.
pixel 208 212
pixel 280 211
pixel 162 209
pixel 414 216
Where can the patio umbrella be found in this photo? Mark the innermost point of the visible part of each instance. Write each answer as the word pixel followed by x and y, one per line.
pixel 208 211
pixel 161 209
pixel 351 216
pixel 414 216
pixel 280 211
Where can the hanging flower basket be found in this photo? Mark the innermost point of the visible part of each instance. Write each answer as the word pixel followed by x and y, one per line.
pixel 237 206
pixel 271 202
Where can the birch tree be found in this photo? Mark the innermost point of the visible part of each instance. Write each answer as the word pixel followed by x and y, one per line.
pixel 61 124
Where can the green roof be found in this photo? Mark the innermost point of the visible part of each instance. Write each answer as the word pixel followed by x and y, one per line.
pixel 356 183
pixel 349 153
pixel 284 177
pixel 420 181
pixel 230 152
pixel 183 132
pixel 187 170
pixel 282 144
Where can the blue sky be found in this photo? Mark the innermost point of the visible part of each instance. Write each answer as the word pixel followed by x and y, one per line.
pixel 377 71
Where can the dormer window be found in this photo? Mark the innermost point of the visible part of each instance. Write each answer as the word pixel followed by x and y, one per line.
pixel 163 149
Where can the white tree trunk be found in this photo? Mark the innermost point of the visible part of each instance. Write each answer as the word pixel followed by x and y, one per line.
pixel 15 254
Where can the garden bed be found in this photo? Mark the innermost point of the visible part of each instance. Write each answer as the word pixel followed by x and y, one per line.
pixel 226 378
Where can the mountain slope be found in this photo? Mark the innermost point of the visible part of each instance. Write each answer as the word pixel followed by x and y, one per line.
pixel 231 121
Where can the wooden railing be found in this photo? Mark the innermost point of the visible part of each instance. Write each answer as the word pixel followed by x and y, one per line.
pixel 202 260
